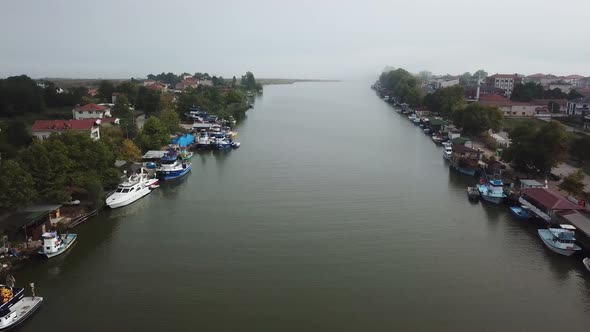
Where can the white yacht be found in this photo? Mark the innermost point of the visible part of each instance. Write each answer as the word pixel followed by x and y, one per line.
pixel 132 189
pixel 16 307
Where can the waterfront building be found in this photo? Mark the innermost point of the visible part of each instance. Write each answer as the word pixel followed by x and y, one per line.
pixel 546 203
pixel 510 108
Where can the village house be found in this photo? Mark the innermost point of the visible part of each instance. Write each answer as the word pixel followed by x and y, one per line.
pixel 158 87
pixel 446 82
pixel 91 111
pixel 148 82
pixel 188 83
pixel 578 107
pixel 561 85
pixel 575 80
pixel 505 82
pixel 510 108
pixel 42 129
pixel 546 203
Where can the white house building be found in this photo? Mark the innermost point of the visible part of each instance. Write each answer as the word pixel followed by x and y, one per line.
pixel 580 106
pixel 42 129
pixel 91 111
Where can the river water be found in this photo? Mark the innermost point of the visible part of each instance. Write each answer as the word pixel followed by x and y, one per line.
pixel 336 214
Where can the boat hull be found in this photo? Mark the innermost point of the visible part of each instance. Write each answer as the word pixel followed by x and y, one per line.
pixel 69 241
pixel 173 174
pixel 493 199
pixel 144 192
pixel 545 235
pixel 22 310
pixel 586 262
pixel 519 213
pixel 466 171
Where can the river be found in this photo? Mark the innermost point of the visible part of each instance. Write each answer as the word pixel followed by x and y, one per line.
pixel 336 214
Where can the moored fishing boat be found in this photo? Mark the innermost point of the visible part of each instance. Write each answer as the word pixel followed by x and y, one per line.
pixel 203 141
pixel 559 240
pixel 130 190
pixel 16 307
pixel 55 244
pixel 492 191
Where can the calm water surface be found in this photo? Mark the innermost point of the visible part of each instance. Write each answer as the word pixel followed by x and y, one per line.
pixel 335 214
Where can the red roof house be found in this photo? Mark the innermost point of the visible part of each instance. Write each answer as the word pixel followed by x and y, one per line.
pixel 43 128
pixel 91 111
pixel 547 202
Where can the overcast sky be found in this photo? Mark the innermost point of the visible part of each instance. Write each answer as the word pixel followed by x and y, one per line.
pixel 291 39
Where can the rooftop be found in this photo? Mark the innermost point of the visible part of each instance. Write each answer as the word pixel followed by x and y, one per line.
pixel 92 107
pixel 62 125
pixel 463 149
pixel 550 199
pixel 579 219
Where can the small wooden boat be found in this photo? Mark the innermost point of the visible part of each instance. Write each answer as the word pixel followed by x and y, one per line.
pixel 520 212
pixel 55 245
pixel 472 193
pixel 586 262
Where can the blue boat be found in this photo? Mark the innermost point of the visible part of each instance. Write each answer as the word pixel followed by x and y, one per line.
pixel 520 213
pixel 559 240
pixel 171 167
pixel 492 191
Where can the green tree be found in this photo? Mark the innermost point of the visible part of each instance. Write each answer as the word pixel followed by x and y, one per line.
pixel 553 107
pixel 105 90
pixel 48 164
pixel 112 136
pixel 130 90
pixel 233 82
pixel 126 116
pixel 403 85
pixel 154 135
pixel 537 148
pixel 129 151
pixel 573 183
pixel 148 100
pixel 248 81
pixel 446 100
pixel 477 118
pixel 465 78
pixel 481 74
pixel 573 94
pixel 18 95
pixel 170 120
pixel 18 186
pixel 580 148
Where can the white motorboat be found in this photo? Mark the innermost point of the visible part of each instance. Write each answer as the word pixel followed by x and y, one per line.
pixel 16 307
pixel 55 244
pixel 448 152
pixel 132 189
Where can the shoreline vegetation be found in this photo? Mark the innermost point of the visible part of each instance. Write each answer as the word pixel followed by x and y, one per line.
pixel 65 82
pixel 72 165
pixel 536 146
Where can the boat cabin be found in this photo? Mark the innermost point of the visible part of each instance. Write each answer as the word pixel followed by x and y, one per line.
pixel 51 242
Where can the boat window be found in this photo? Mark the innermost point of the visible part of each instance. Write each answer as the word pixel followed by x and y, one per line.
pixel 131 189
pixel 119 190
pixel 125 190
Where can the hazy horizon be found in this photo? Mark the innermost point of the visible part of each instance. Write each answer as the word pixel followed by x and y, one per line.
pixel 302 40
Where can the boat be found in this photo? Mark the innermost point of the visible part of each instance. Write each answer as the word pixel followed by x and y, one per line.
pixel 222 143
pixel 448 152
pixel 71 202
pixel 130 190
pixel 170 171
pixel 559 240
pixel 473 193
pixel 185 154
pixel 437 139
pixel 412 117
pixel 586 262
pixel 416 121
pixel 235 144
pixel 447 144
pixel 520 212
pixel 16 307
pixel 55 244
pixel 492 191
pixel 203 141
pixel 427 131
